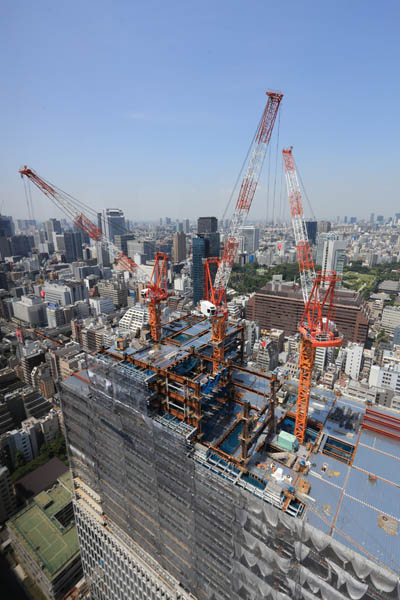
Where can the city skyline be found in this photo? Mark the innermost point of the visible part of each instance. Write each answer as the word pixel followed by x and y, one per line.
pixel 168 124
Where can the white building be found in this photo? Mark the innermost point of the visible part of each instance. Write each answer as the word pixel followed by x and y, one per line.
pixel 386 377
pixel 320 359
pixel 102 305
pixel 134 318
pixel 31 310
pixel 354 355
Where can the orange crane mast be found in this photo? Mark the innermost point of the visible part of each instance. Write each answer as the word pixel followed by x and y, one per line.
pixel 316 327
pixel 156 287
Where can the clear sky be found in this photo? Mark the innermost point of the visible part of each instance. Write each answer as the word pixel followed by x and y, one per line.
pixel 150 106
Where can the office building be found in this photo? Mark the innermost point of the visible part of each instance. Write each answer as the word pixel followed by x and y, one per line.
pixel 135 318
pixel 121 241
pixel 281 305
pixel 249 238
pixel 179 247
pixel 21 244
pixel 334 257
pixel 143 248
pixel 73 246
pixel 116 289
pixel 186 226
pixel 324 226
pixel 113 222
pixel 30 310
pixel 7 228
pixel 312 229
pixel 43 536
pixel 101 305
pixel 52 226
pixel 65 293
pixel 207 224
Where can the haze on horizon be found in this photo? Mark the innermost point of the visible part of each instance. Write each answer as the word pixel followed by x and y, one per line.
pixel 150 107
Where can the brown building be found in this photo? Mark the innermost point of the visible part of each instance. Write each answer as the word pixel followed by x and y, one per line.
pixel 280 305
pixel 179 248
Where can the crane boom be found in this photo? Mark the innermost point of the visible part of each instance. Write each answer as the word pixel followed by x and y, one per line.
pixel 156 287
pixel 303 248
pixel 246 194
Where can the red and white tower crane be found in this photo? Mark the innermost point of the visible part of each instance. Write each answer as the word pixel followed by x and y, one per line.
pixel 215 292
pixel 156 287
pixel 316 327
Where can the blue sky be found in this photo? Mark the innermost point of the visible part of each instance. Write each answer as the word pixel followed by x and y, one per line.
pixel 151 106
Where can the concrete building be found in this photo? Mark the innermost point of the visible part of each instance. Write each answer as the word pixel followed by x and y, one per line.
pixel 390 319
pixel 135 318
pixel 63 294
pixel 116 289
pixel 43 536
pixel 30 310
pixel 267 357
pixel 7 496
pixel 281 305
pixel 354 358
pixel 101 305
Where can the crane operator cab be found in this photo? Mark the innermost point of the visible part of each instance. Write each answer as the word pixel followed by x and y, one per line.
pixel 207 308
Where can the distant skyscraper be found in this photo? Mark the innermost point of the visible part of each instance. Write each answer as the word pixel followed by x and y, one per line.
pixel 199 250
pixel 353 220
pixel 334 257
pixel 100 221
pixel 372 218
pixel 73 245
pixel 186 226
pixel 52 226
pixel 7 228
pixel 114 222
pixel 345 220
pixel 207 224
pixel 251 237
pixel 121 241
pixel 379 219
pixel 312 227
pixel 179 252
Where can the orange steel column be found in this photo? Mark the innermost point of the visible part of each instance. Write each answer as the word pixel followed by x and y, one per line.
pixel 155 321
pixel 218 323
pixel 307 353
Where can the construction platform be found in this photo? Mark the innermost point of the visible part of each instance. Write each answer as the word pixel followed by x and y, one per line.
pixel 341 486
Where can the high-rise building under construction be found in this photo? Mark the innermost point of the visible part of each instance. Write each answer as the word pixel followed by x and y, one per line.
pixel 190 486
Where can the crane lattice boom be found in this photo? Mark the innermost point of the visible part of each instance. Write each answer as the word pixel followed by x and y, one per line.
pixel 246 195
pixel 304 254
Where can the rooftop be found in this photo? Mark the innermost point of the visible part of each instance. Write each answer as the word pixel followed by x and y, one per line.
pixel 344 479
pixel 46 528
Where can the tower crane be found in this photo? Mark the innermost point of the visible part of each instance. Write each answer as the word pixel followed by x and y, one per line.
pixel 215 292
pixel 316 326
pixel 156 287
